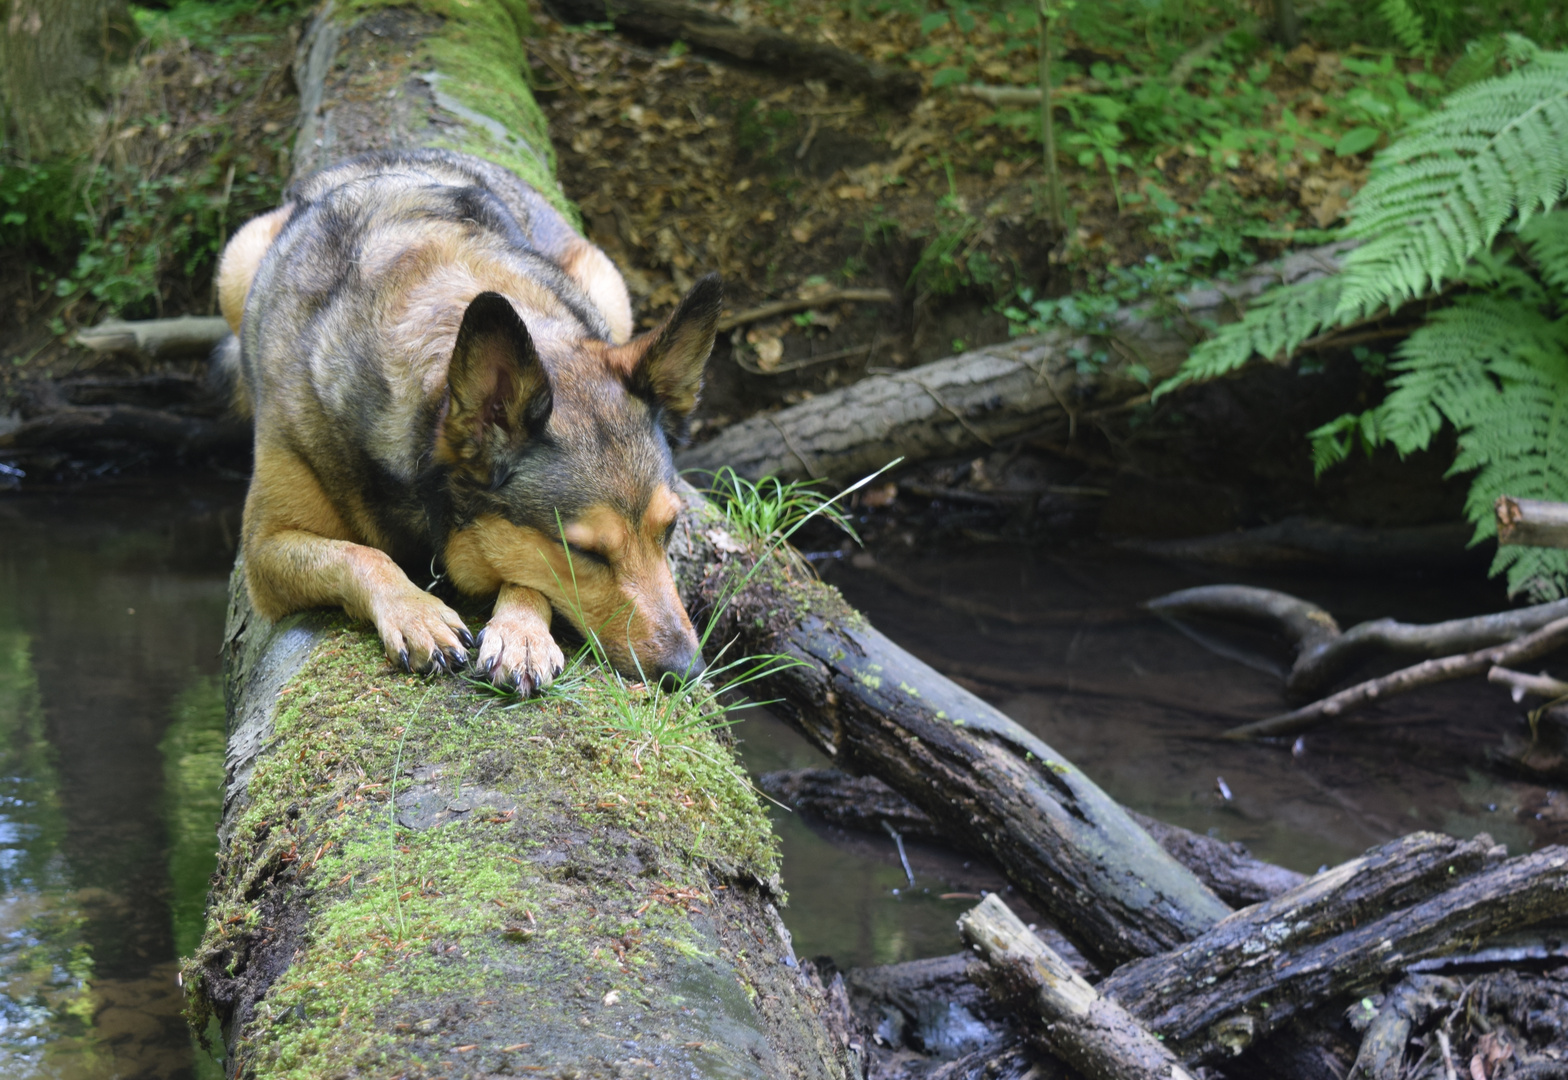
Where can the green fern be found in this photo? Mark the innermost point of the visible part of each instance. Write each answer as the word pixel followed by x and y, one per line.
pixel 1546 238
pixel 1408 27
pixel 1273 327
pixel 1440 194
pixel 1479 61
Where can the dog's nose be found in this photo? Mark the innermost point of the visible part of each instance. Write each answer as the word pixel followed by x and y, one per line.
pixel 681 669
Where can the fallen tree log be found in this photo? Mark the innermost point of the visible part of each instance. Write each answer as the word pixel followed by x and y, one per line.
pixel 155 339
pixel 1332 545
pixel 91 425
pixel 956 405
pixel 1088 1031
pixel 666 21
pixel 866 804
pixel 1324 652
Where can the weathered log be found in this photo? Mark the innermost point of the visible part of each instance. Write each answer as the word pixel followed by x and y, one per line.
pixel 1324 651
pixel 865 803
pixel 1092 1033
pixel 1407 1006
pixel 1538 643
pixel 955 405
pixel 155 339
pixel 1521 684
pixel 1342 932
pixel 1531 522
pixel 666 20
pixel 988 783
pixel 412 874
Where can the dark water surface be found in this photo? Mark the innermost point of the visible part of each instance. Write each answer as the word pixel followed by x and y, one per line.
pixel 111 750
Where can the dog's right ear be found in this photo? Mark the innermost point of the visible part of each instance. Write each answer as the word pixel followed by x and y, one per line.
pixel 499 391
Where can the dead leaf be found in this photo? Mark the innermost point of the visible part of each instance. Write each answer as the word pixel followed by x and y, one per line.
pixel 769 352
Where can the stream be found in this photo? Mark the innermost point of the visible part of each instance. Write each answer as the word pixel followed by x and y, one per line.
pixel 111 748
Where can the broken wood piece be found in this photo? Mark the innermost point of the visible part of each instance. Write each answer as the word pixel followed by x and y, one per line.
pixel 1324 652
pixel 666 20
pixel 804 303
pixel 1547 639
pixel 1411 900
pixel 1531 522
pixel 1542 685
pixel 1093 1034
pixel 1407 1006
pixel 153 339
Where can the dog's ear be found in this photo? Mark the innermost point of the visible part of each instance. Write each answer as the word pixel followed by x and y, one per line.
pixel 665 364
pixel 496 380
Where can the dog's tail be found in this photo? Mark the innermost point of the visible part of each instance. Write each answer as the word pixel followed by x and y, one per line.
pixel 236 270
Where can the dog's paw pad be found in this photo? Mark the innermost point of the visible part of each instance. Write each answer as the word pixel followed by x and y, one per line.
pixel 519 657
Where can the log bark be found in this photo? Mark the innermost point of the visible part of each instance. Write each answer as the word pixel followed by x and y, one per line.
pixel 56 59
pixel 666 21
pixel 1092 1033
pixel 955 405
pixel 1531 522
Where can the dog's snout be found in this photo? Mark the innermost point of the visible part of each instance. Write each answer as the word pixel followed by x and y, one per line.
pixel 684 668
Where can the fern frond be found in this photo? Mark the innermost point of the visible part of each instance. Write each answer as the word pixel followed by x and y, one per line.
pixel 1509 402
pixel 1273 326
pixel 1479 61
pixel 1408 27
pixel 1497 152
pixel 1546 237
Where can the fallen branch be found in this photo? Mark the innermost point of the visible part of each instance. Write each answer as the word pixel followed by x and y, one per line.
pixel 1334 936
pixel 1531 522
pixel 74 427
pixel 665 20
pixel 1324 652
pixel 1548 638
pixel 865 803
pixel 155 339
pixel 1093 1034
pixel 1520 684
pixel 804 303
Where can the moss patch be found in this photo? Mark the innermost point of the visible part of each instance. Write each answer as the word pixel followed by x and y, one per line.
pixel 478 55
pixel 442 844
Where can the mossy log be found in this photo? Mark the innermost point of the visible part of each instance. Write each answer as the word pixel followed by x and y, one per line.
pixel 420 878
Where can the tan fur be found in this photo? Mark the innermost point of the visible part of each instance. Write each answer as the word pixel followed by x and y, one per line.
pixel 593 270
pixel 241 256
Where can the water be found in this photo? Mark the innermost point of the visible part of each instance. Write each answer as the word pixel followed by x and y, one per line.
pixel 111 607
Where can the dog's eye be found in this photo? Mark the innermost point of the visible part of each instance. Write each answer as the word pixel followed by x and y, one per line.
pixel 592 557
pixel 669 534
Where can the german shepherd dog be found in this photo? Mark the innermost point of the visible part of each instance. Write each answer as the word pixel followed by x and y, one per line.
pixel 442 374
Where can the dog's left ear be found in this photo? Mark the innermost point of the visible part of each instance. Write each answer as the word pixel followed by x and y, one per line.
pixel 498 387
pixel 665 365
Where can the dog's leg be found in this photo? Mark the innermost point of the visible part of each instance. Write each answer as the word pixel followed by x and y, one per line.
pixel 515 647
pixel 299 554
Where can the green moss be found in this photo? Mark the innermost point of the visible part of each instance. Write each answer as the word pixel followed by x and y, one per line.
pixel 479 56
pixel 590 861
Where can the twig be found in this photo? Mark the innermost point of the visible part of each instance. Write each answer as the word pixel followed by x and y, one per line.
pixel 899 840
pixel 1546 639
pixel 803 362
pixel 1520 684
pixel 799 303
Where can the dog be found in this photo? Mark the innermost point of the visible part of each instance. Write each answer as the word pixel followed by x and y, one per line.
pixel 442 373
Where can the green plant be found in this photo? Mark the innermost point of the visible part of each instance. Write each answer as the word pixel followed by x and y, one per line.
pixel 771 508
pixel 1463 208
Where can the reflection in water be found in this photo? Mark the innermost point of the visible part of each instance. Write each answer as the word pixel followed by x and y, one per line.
pixel 111 610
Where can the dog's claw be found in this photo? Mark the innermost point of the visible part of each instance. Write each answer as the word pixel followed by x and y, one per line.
pixel 402 656
pixel 467 638
pixel 459 659
pixel 479 641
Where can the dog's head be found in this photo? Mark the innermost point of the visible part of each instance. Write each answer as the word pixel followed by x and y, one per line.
pixel 557 461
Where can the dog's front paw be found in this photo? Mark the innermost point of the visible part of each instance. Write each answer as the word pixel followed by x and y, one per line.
pixel 422 634
pixel 517 651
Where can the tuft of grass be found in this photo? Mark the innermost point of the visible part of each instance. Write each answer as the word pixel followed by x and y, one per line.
pixel 771 508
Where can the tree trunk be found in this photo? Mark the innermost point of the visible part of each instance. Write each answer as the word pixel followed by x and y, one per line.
pixel 964 403
pixel 56 57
